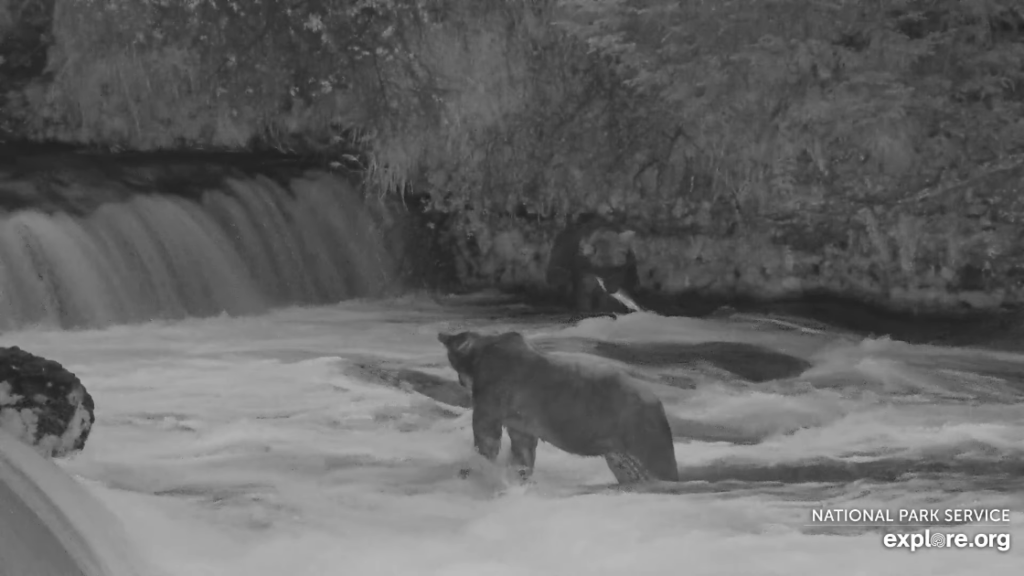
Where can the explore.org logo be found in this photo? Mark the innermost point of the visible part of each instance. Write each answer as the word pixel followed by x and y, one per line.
pixel 917 528
pixel 929 539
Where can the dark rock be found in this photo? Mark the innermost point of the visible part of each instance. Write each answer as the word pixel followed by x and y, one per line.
pixel 64 179
pixel 440 389
pixel 590 248
pixel 43 404
pixel 748 361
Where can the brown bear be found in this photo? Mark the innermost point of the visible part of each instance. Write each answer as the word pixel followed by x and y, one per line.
pixel 593 247
pixel 583 410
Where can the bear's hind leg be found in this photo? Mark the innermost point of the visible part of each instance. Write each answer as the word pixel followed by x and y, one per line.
pixel 524 452
pixel 653 446
pixel 661 463
pixel 627 468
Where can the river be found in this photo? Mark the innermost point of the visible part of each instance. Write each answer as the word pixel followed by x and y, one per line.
pixel 278 444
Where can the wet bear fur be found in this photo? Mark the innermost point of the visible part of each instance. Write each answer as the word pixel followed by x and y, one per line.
pixel 581 410
pixel 592 247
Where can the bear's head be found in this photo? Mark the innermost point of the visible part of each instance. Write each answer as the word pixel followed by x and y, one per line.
pixel 604 248
pixel 461 354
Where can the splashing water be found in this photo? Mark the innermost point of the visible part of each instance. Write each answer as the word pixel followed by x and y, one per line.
pixel 254 446
pixel 51 526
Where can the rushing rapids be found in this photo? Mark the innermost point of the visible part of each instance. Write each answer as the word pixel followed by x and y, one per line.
pixel 297 442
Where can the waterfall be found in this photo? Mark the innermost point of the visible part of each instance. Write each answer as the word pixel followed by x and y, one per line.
pixel 240 248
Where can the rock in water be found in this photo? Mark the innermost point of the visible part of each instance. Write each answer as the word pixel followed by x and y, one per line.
pixel 43 404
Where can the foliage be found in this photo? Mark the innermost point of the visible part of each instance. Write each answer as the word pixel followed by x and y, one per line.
pixel 692 110
pixel 420 86
pixel 23 29
pixel 159 73
pixel 787 103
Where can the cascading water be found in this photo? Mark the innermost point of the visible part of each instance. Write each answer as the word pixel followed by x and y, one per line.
pixel 247 246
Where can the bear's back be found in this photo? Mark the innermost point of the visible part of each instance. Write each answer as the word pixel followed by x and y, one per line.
pixel 509 359
pixel 568 404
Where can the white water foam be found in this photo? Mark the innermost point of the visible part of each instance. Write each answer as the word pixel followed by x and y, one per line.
pixel 244 447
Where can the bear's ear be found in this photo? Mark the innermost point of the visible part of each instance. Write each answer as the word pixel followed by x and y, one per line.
pixel 586 248
pixel 627 236
pixel 460 343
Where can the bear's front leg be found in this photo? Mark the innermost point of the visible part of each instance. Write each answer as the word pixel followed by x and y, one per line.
pixel 524 453
pixel 486 427
pixel 486 433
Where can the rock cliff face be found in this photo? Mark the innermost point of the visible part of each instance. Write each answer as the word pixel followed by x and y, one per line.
pixel 955 247
pixel 43 404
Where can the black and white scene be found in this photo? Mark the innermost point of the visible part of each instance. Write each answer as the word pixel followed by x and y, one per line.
pixel 511 287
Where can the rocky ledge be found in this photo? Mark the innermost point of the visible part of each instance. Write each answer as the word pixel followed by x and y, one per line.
pixel 955 248
pixel 43 404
